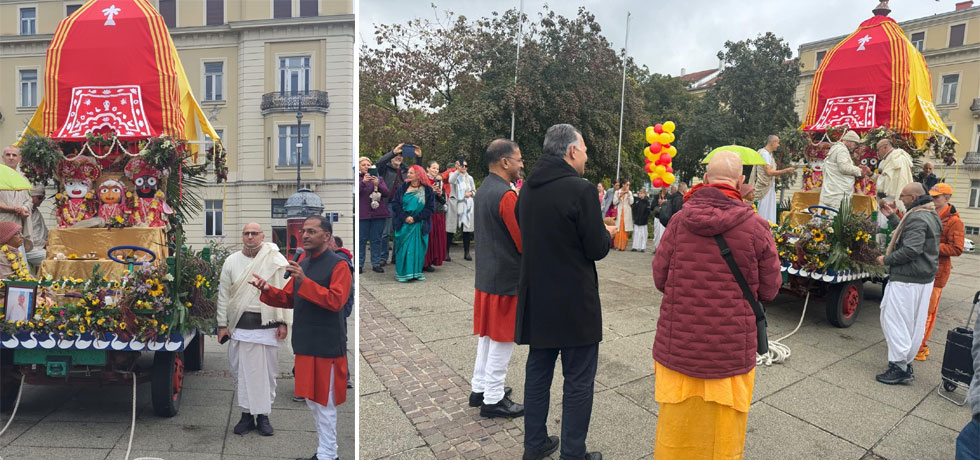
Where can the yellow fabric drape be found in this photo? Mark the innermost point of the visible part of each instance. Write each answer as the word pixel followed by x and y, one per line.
pixel 82 241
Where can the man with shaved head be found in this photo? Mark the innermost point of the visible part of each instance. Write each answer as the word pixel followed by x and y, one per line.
pixel 255 329
pixel 763 179
pixel 912 259
pixel 928 177
pixel 706 331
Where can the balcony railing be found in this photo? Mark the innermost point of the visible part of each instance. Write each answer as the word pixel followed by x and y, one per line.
pixel 972 160
pixel 312 101
pixel 975 107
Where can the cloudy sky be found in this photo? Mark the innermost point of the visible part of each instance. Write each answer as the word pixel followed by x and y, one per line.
pixel 668 36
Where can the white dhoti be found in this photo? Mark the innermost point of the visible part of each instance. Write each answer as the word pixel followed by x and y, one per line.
pixel 658 232
pixel 253 357
pixel 904 308
pixel 325 419
pixel 767 205
pixel 490 369
pixel 640 237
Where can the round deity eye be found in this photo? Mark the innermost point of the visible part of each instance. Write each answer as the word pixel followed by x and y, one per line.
pixel 151 181
pixel 139 181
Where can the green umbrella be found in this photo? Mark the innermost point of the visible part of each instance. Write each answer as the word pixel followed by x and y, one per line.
pixel 12 180
pixel 748 156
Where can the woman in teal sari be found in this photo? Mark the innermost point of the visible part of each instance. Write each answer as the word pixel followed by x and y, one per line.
pixel 413 205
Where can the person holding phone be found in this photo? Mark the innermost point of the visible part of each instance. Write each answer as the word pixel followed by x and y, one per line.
pixel 393 170
pixel 460 215
pixel 436 253
pixel 372 214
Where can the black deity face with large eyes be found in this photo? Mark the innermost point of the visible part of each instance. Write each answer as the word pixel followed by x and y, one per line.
pixel 146 186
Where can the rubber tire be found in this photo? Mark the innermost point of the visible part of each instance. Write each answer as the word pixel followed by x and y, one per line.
pixel 836 296
pixel 9 381
pixel 194 354
pixel 165 366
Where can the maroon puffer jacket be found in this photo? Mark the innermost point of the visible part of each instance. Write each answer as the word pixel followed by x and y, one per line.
pixel 706 328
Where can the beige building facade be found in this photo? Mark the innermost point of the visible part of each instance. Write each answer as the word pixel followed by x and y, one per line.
pixel 950 43
pixel 251 64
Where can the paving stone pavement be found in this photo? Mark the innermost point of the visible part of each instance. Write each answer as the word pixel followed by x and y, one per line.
pixel 417 352
pixel 65 422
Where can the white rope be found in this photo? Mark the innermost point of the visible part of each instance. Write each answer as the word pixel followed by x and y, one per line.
pixel 20 391
pixel 779 352
pixel 132 426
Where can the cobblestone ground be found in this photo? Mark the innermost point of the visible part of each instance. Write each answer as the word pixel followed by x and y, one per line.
pixel 66 422
pixel 417 352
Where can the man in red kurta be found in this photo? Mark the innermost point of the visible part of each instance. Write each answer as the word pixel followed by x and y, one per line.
pixel 498 266
pixel 318 288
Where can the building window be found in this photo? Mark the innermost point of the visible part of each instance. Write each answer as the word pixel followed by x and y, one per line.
pixel 213 217
pixel 950 83
pixel 28 21
pixel 69 9
pixel 28 88
pixel 974 231
pixel 294 74
pixel 282 8
pixel 956 34
pixel 278 208
pixel 287 145
pixel 214 79
pixel 168 9
pixel 308 8
pixel 975 193
pixel 820 55
pixel 215 14
pixel 918 40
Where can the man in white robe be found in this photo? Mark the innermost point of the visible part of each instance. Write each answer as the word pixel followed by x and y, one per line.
pixel 255 329
pixel 839 171
pixel 763 180
pixel 895 171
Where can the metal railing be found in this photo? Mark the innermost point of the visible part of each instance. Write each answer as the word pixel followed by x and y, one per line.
pixel 975 107
pixel 312 101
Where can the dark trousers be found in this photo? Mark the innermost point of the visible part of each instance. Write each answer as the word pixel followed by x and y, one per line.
pixel 578 366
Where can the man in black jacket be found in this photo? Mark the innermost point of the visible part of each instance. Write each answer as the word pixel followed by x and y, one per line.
pixel 674 203
pixel 392 169
pixel 641 216
pixel 558 308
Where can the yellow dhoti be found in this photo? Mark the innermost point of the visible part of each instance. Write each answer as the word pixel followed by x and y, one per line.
pixel 701 418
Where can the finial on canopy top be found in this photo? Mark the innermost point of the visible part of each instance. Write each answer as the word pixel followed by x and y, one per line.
pixel 882 9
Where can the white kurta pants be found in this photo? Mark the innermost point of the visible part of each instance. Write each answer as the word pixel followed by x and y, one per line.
pixel 325 419
pixel 658 232
pixel 904 308
pixel 254 367
pixel 490 369
pixel 640 237
pixel 767 205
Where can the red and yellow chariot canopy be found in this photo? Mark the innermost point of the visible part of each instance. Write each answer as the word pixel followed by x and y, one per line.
pixel 875 77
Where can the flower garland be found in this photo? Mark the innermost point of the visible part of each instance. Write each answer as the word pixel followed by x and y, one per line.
pixel 17 263
pixel 143 210
pixel 73 213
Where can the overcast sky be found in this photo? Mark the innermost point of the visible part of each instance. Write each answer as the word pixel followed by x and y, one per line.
pixel 687 34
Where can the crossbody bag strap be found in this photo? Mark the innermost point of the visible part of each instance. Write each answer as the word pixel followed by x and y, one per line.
pixel 726 253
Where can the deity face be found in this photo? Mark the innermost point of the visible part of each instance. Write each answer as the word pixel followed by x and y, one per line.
pixel 146 186
pixel 76 188
pixel 818 164
pixel 870 159
pixel 110 193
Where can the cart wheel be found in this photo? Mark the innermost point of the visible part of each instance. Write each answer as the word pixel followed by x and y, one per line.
pixel 843 301
pixel 948 386
pixel 166 383
pixel 194 354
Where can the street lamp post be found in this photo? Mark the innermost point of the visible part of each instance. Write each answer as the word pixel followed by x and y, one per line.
pixel 299 139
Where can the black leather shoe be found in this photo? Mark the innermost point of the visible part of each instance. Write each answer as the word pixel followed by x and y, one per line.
pixel 894 375
pixel 360 269
pixel 448 259
pixel 476 399
pixel 377 269
pixel 593 456
pixel 545 449
pixel 467 256
pixel 428 269
pixel 246 424
pixel 311 458
pixel 265 428
pixel 504 408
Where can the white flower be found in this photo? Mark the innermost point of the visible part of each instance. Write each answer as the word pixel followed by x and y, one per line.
pixel 169 277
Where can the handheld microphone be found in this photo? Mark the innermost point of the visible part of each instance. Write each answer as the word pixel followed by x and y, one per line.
pixel 296 256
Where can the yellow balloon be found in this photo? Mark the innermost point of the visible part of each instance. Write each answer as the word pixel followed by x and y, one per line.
pixel 669 127
pixel 651 135
pixel 662 138
pixel 652 177
pixel 669 136
pixel 672 151
pixel 660 170
pixel 668 178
